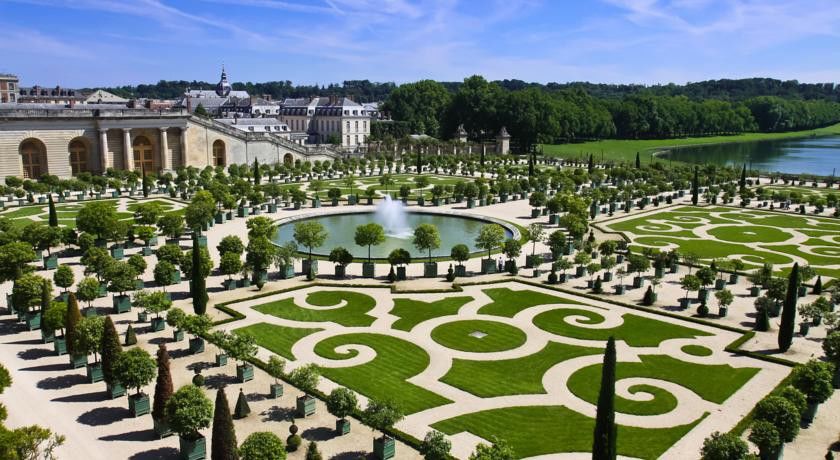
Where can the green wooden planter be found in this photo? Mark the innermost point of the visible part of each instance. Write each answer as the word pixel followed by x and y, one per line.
pixel 50 263
pixel 733 278
pixel 342 426
pixel 460 270
pixel 121 303
pixel 115 391
pixel 755 291
pixel 430 270
pixel 138 404
pixel 158 324
pixel 401 276
pixel 47 336
pixel 202 241
pixel 161 428
pixel 117 252
pixel 33 321
pixel 310 263
pixel 192 449
pixel 94 372
pixel 230 284
pixel 142 317
pixel 275 390
pixel 488 266
pixel 139 285
pixel 243 211
pixel 176 277
pixel 533 261
pixel 305 405
pixel 685 303
pixel 245 373
pixel 220 218
pixel 221 359
pixel 196 345
pixel 722 311
pixel 384 448
pixel 103 291
pixel 286 271
pixel 620 289
pixel 60 346
pixel 638 281
pixel 78 361
pixel 368 269
pixel 177 335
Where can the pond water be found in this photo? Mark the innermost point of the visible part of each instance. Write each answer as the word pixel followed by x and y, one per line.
pixel 813 155
pixel 342 227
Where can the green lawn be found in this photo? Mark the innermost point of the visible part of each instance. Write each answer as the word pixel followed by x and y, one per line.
pixel 541 430
pixel 277 339
pixel 507 302
pixel 715 383
pixel 696 350
pixel 497 336
pixel 625 150
pixel 636 331
pixel 488 379
pixel 385 376
pixel 413 312
pixel 354 313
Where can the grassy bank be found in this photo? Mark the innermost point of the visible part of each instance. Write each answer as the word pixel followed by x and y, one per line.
pixel 625 150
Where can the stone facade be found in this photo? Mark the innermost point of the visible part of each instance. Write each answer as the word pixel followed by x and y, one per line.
pixel 64 142
pixel 8 87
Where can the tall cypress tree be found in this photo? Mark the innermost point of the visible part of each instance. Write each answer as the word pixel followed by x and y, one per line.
pixel 743 182
pixel 145 183
pixel 638 161
pixel 257 174
pixel 591 164
pixel 46 295
pixel 53 214
pixel 111 349
pixel 223 443
pixel 199 284
pixel 695 187
pixel 604 441
pixel 419 160
pixel 71 320
pixel 163 385
pixel 789 310
pixel 531 165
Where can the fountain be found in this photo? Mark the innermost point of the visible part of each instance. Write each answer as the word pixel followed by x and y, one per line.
pixel 392 216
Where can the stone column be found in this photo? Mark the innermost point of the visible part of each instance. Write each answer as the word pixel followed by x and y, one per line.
pixel 184 146
pixel 103 149
pixel 128 154
pixel 164 150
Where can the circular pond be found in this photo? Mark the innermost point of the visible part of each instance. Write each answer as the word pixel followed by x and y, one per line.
pixel 341 228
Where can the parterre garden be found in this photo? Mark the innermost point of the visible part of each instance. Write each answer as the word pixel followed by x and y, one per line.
pixel 753 236
pixel 512 361
pixel 67 212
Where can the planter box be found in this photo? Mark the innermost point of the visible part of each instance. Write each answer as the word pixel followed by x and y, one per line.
pixel 139 285
pixel 177 335
pixel 221 359
pixel 176 276
pixel 535 212
pixel 51 262
pixel 810 413
pixel 305 405
pixel 244 282
pixel 723 311
pixel 230 285
pixel 78 361
pixel 117 252
pixel 368 270
pixel 60 346
pixel 720 283
pixel 161 428
pixel 685 303
pixel 470 203
pixel 192 449
pixel 121 303
pixel 260 276
pixel 460 270
pixel 342 426
pixel 147 251
pixel 658 272
pixel 533 261
pixel 245 373
pixel 47 336
pixel 804 328
pixel 115 391
pixel 619 289
pixel 158 324
pixel 430 270
pixel 608 276
pixel 196 345
pixel 803 290
pixel 94 372
pixel 220 218
pixel 202 241
pixel 275 390
pixel 310 264
pixel 286 271
pixel 580 271
pixel 33 321
pixel 755 291
pixel 243 211
pixel 638 282
pixel 554 219
pixel 384 448
pixel 488 266
pixel 401 276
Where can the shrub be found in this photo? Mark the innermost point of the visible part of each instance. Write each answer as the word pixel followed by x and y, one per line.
pixel 130 336
pixel 342 402
pixel 293 443
pixel 262 445
pixel 435 446
pixel 312 452
pixel 189 411
pixel 724 446
pixel 648 298
pixel 765 436
pixel 796 397
pixel 814 380
pixel 781 413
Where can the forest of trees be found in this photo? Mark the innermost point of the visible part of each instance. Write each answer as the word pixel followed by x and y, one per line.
pixel 555 113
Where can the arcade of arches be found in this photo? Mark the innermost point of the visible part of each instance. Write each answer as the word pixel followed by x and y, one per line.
pixel 219 153
pixel 78 156
pixel 33 155
pixel 144 156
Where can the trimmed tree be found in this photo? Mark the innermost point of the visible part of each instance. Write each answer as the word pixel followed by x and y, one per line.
pixel 263 445
pixel 223 444
pixel 786 328
pixel 435 446
pixel 163 385
pixel 189 411
pixel 63 277
pixel 135 369
pixel 490 237
pixel 724 446
pixel 310 234
pixel 426 237
pixel 604 441
pixel 111 350
pixel 342 402
pixel 53 214
pixel 71 322
pixel 371 234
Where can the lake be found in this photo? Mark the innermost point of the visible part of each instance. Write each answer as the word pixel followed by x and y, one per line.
pixel 813 155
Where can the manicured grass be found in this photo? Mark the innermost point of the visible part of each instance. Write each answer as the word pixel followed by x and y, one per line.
pixel 353 314
pixel 499 336
pixel 507 302
pixel 413 312
pixel 636 331
pixel 696 350
pixel 385 376
pixel 277 339
pixel 541 430
pixel 26 211
pixel 625 150
pixel 164 204
pixel 749 234
pixel 489 379
pixel 714 383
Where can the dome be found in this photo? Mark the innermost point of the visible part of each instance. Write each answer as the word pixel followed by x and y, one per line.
pixel 223 88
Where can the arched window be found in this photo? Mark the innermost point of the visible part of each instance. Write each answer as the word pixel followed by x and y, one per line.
pixel 33 155
pixel 218 153
pixel 144 158
pixel 78 156
pixel 288 159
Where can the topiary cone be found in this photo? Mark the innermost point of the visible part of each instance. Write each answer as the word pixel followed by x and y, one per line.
pixel 242 409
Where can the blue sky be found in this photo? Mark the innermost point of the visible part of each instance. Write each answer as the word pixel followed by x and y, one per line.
pixel 101 42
